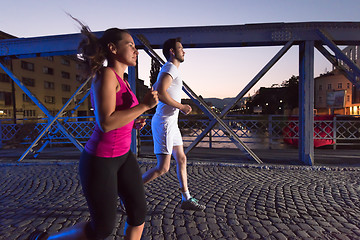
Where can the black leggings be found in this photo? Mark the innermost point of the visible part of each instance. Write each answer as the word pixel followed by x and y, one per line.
pixel 103 180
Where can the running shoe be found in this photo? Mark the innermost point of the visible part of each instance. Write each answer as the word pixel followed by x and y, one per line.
pixel 192 204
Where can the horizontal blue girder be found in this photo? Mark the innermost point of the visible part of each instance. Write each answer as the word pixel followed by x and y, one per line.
pixel 269 34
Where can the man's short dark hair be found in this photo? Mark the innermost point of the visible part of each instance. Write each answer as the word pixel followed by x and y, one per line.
pixel 170 44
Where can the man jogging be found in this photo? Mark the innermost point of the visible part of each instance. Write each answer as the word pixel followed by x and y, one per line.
pixel 166 133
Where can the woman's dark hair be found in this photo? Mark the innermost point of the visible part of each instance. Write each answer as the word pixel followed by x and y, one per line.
pixel 95 50
pixel 154 71
pixel 170 44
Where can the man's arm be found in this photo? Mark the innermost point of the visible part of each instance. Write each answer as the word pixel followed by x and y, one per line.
pixel 165 80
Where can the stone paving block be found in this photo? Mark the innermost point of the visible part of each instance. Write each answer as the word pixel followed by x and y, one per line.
pixel 213 226
pixel 314 235
pixel 281 226
pixel 192 231
pixel 217 234
pixel 233 222
pixel 184 237
pixel 340 230
pixel 191 224
pixel 280 236
pixel 156 222
pixel 180 230
pixel 254 235
pixel 156 230
pixel 211 220
pixel 196 238
pixel 202 227
pixel 241 235
pixel 350 225
pixel 179 222
pixel 262 231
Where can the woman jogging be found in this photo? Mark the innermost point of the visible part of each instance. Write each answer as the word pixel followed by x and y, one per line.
pixel 108 168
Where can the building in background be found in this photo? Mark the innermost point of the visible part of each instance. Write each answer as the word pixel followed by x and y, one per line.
pixel 334 93
pixel 53 80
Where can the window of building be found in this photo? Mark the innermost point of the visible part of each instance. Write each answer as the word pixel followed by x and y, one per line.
pixel 49 58
pixel 348 85
pixel 320 99
pixel 79 78
pixel 48 70
pixel 79 66
pixel 4 77
pixel 65 75
pixel 28 81
pixel 5 113
pixel 320 87
pixel 64 100
pixel 6 97
pixel 27 66
pixel 26 98
pixel 65 62
pixel 66 87
pixel 29 113
pixel 340 85
pixel 329 86
pixel 49 85
pixel 348 98
pixel 50 99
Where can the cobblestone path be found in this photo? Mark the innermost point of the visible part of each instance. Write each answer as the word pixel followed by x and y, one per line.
pixel 243 202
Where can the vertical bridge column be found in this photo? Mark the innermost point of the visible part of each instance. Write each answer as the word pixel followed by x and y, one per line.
pixel 132 76
pixel 306 102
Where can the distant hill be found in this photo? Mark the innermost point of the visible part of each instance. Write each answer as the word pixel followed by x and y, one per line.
pixel 217 102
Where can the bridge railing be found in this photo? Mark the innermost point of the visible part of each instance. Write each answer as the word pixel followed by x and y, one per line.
pixel 258 131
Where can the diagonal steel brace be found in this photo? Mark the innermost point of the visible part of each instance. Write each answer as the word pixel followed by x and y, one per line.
pixel 326 38
pixel 47 113
pixel 267 67
pixel 64 121
pixel 333 60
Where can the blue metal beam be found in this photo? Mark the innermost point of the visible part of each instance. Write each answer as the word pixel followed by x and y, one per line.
pixel 333 60
pixel 327 39
pixel 306 102
pixel 77 105
pixel 132 76
pixel 270 34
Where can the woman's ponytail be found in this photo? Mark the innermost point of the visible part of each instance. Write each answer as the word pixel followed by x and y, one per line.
pixel 91 50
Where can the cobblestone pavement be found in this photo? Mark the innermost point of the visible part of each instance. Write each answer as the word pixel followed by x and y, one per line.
pixel 243 202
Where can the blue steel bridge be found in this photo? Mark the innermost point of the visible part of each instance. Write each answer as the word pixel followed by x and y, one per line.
pixel 324 36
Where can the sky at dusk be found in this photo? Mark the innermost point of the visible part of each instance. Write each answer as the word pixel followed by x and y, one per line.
pixel 218 73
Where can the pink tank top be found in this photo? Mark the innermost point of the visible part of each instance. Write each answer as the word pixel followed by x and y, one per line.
pixel 116 142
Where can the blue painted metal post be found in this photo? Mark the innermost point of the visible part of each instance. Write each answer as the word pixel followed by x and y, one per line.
pixel 132 71
pixel 306 102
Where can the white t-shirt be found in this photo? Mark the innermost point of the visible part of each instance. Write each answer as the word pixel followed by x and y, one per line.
pixel 174 90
